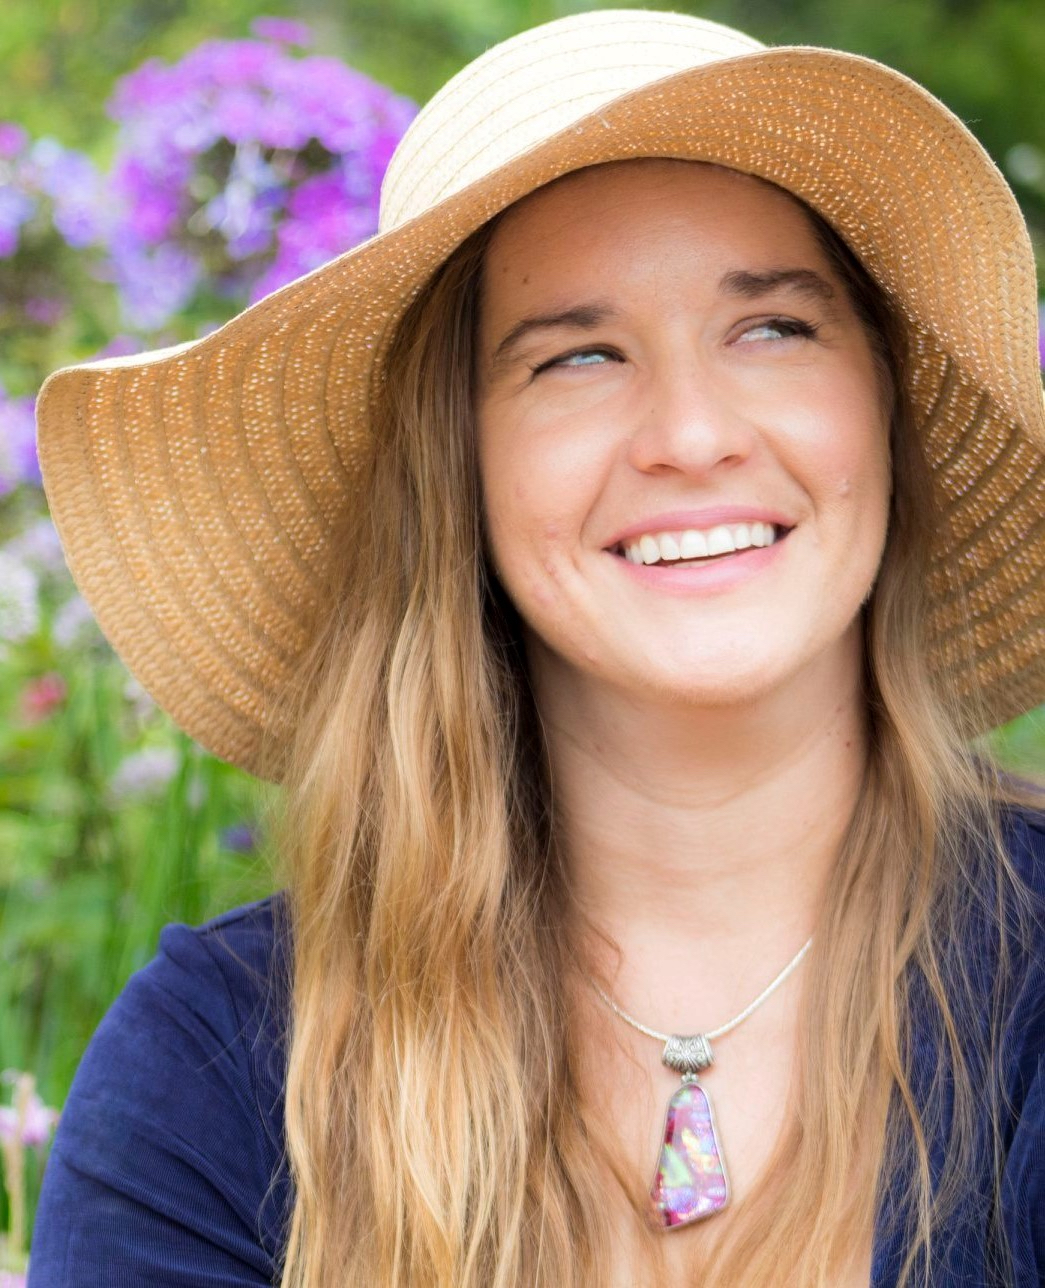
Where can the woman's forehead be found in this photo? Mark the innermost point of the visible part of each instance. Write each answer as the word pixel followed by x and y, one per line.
pixel 592 180
pixel 600 218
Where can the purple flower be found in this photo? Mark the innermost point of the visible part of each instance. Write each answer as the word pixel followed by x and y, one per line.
pixel 322 222
pixel 244 212
pixel 45 310
pixel 37 1120
pixel 120 346
pixel 217 64
pixel 148 87
pixel 345 110
pixel 75 188
pixel 243 165
pixel 143 774
pixel 240 838
pixel 19 602
pixel 38 546
pixel 47 177
pixel 18 459
pixel 74 624
pixel 141 703
pixel 16 209
pixel 154 284
pixel 13 139
pixel 151 203
pixel 237 113
pixel 284 30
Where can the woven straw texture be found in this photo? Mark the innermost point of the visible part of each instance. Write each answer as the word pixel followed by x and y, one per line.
pixel 196 490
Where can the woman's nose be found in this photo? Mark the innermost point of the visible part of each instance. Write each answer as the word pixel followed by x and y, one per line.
pixel 689 421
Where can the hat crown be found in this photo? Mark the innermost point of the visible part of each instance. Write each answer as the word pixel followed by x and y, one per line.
pixel 527 88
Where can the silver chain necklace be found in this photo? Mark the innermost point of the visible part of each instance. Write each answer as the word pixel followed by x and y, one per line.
pixel 690 1181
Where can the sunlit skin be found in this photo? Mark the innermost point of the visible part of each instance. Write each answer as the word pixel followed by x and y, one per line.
pixel 706 729
pixel 690 397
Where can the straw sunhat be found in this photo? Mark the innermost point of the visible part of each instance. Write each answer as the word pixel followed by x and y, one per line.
pixel 196 490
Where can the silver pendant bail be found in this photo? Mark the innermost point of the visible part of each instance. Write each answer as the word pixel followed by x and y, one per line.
pixel 687 1054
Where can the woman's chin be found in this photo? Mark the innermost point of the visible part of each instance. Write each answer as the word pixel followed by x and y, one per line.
pixel 711 684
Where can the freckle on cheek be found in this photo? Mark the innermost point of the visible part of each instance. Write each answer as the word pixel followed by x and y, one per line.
pixel 539 594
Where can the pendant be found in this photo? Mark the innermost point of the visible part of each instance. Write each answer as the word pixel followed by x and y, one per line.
pixel 690 1181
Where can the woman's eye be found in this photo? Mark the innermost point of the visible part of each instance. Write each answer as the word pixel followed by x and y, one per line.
pixel 578 358
pixel 785 327
pixel 772 328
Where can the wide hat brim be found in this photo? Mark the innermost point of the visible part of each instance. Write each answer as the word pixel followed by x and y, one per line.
pixel 197 491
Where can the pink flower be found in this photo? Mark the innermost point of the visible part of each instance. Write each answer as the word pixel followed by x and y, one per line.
pixel 13 139
pixel 45 310
pixel 37 1121
pixel 284 30
pixel 40 697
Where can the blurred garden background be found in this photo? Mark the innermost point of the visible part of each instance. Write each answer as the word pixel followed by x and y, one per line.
pixel 162 164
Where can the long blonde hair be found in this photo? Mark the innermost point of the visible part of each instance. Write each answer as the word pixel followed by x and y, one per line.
pixel 435 1127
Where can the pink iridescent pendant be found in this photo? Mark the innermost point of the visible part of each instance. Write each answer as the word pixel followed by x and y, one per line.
pixel 690 1181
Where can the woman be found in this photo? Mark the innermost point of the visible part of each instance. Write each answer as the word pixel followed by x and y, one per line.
pixel 615 560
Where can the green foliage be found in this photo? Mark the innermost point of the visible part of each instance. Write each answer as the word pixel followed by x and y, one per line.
pixel 94 861
pixel 87 882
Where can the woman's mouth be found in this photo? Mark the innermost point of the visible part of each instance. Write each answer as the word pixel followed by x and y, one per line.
pixel 695 546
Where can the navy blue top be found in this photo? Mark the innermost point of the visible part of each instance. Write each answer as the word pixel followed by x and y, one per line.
pixel 166 1168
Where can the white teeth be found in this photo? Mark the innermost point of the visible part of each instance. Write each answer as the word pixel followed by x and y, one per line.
pixel 720 541
pixel 693 544
pixel 669 547
pixel 649 547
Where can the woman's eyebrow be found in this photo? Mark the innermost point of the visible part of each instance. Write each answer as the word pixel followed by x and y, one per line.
pixel 583 316
pixel 803 281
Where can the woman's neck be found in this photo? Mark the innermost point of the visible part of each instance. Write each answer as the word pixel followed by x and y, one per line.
pixel 701 840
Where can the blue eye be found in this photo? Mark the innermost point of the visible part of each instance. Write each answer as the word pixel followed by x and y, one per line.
pixel 576 359
pixel 583 359
pixel 787 327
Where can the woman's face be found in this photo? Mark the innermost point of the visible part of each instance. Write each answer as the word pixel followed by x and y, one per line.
pixel 668 368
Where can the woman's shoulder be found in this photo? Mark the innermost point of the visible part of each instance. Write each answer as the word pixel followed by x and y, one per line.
pixel 236 956
pixel 1023 828
pixel 218 992
pixel 228 979
pixel 1023 831
pixel 1023 1178
pixel 168 1152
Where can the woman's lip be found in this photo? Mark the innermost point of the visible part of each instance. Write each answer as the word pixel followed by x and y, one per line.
pixel 676 520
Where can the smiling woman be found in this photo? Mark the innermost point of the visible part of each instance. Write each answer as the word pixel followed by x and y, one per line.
pixel 616 561
pixel 718 374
